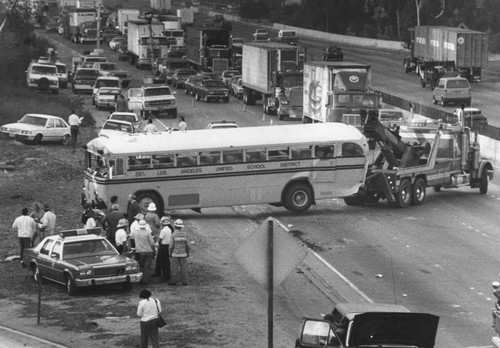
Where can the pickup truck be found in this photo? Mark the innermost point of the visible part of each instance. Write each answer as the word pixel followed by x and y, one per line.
pixel 211 90
pixel 288 37
pixel 260 35
pixel 152 100
pixel 369 325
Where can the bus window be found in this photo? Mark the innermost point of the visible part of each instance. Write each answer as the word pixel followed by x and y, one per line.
pixel 255 155
pixel 117 166
pixel 300 153
pixel 163 161
pixel 351 149
pixel 278 155
pixel 324 151
pixel 138 162
pixel 185 161
pixel 232 156
pixel 211 157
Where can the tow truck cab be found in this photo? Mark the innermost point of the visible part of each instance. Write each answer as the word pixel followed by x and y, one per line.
pixel 369 325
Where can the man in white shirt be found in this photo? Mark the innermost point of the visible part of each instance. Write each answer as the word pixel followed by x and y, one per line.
pixel 25 226
pixel 121 236
pixel 150 127
pixel 74 121
pixel 47 223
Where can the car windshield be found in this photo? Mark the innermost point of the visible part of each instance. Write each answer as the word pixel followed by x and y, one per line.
pixel 87 73
pixel 122 127
pixel 72 250
pixel 151 92
pixel 458 84
pixel 109 91
pixel 214 83
pixel 108 66
pixel 124 117
pixel 61 69
pixel 34 120
pixel 288 33
pixel 44 69
pixel 107 83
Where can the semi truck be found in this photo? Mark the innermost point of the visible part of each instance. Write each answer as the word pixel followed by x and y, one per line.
pixel 172 30
pixel 145 42
pixel 272 72
pixel 337 92
pixel 414 157
pixel 436 51
pixel 73 21
pixel 123 15
pixel 204 44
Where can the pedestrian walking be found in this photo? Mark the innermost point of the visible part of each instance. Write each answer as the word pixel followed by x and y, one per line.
pixel 121 236
pixel 162 268
pixel 148 310
pixel 145 248
pixel 74 121
pixel 36 214
pixel 110 222
pixel 133 208
pixel 121 104
pixel 25 226
pixel 47 225
pixel 150 127
pixel 179 252
pixel 153 220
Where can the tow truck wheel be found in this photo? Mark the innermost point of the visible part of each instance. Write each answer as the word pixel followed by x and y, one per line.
pixel 418 194
pixel 403 196
pixel 483 188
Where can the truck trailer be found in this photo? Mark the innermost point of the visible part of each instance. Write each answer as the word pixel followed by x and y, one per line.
pixel 172 30
pixel 337 92
pixel 272 72
pixel 186 15
pixel 72 23
pixel 145 42
pixel 206 43
pixel 436 51
pixel 123 15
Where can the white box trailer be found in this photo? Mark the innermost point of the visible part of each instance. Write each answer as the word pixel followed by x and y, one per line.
pixel 141 38
pixel 186 15
pixel 123 15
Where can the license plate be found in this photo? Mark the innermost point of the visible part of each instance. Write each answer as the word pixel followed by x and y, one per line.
pixel 457 92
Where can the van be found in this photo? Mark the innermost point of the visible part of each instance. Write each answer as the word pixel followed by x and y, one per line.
pixel 43 77
pixel 452 90
pixel 288 36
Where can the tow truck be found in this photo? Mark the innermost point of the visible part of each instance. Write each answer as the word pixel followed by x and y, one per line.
pixel 410 158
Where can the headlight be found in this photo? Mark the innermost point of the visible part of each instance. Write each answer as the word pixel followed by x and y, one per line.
pixel 132 268
pixel 85 273
pixel 25 132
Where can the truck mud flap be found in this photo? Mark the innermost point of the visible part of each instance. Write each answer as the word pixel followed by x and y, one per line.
pixel 378 182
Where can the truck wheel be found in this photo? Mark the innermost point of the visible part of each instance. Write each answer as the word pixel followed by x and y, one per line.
pixel 418 194
pixel 403 196
pixel 483 187
pixel 298 198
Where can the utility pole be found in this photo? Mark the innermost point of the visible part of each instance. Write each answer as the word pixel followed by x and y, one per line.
pixel 98 44
pixel 149 18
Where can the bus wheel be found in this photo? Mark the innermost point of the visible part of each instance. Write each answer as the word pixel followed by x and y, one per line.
pixel 298 198
pixel 418 194
pixel 403 196
pixel 145 198
pixel 483 188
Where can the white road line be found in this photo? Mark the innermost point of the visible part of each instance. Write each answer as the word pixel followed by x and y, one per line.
pixel 333 269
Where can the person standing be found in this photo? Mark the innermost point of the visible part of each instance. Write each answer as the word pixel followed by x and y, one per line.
pixel 74 121
pixel 145 248
pixel 134 227
pixel 182 124
pixel 121 236
pixel 121 104
pixel 148 310
pixel 162 268
pixel 25 226
pixel 37 215
pixel 150 127
pixel 110 222
pixel 153 220
pixel 133 208
pixel 179 252
pixel 47 225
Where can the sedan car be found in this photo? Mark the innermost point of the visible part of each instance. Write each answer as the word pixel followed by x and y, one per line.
pixel 116 127
pixel 116 41
pixel 80 258
pixel 236 87
pixel 193 81
pixel 128 117
pixel 211 90
pixel 35 128
pixel 180 76
pixel 227 75
pixel 105 98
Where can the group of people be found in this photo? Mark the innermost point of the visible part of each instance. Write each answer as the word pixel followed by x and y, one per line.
pixel 151 127
pixel 35 226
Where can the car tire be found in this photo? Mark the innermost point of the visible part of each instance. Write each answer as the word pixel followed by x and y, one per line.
pixel 43 84
pixel 65 140
pixel 38 139
pixel 298 197
pixel 71 288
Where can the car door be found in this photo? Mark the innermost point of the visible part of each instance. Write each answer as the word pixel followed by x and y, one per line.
pixel 57 267
pixel 50 131
pixel 44 261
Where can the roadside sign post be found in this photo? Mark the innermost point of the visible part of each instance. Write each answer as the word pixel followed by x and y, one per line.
pixel 269 254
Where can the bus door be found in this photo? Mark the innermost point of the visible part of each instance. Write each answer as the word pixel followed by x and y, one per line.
pixel 324 170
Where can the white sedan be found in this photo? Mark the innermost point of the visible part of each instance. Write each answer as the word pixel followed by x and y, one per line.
pixel 35 128
pixel 115 127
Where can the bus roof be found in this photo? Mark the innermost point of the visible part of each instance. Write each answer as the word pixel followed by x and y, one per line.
pixel 207 139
